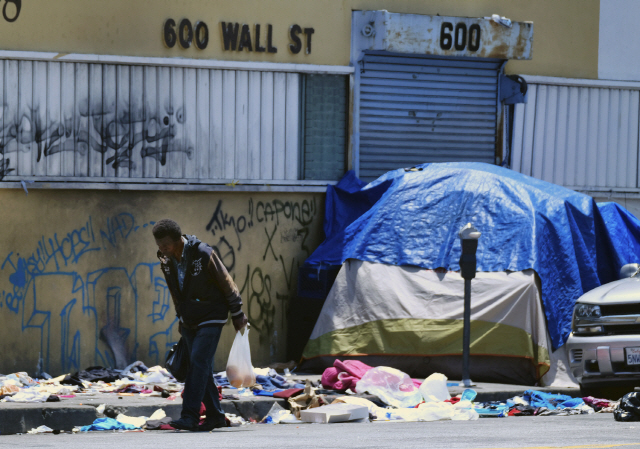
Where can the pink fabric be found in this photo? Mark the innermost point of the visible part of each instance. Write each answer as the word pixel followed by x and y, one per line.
pixel 345 375
pixel 354 368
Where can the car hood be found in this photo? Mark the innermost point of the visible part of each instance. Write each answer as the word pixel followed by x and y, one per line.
pixel 617 292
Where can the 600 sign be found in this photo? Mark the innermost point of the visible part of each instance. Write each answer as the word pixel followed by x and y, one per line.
pixel 185 34
pixel 459 38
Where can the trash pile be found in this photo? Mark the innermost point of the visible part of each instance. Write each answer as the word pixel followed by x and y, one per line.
pixel 135 379
pixel 406 399
pixel 350 391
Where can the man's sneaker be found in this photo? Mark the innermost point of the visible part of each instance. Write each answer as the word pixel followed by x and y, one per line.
pixel 208 426
pixel 183 424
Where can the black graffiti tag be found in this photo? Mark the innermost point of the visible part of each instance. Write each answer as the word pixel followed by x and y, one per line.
pixel 260 309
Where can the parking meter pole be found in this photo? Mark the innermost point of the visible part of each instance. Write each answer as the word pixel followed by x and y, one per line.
pixel 469 242
pixel 466 334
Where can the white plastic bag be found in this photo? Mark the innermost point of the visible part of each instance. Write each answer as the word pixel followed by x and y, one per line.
pixel 239 368
pixel 434 388
pixel 392 386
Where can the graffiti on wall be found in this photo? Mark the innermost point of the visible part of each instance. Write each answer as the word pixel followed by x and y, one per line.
pixel 55 299
pixel 287 221
pixel 112 133
pixel 96 301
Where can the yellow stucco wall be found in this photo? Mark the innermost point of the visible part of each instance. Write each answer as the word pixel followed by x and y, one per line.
pixel 76 263
pixel 565 31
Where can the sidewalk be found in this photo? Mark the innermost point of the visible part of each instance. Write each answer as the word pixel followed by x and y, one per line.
pixel 81 410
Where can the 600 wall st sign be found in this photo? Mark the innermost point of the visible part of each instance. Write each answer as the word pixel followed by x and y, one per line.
pixel 235 37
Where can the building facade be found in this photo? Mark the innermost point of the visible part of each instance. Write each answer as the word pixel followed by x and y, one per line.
pixel 233 117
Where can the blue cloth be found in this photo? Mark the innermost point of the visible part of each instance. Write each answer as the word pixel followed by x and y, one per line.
pixel 199 386
pixel 413 218
pixel 257 392
pixel 498 411
pixel 107 424
pixel 275 381
pixel 548 400
pixel 222 381
pixel 571 403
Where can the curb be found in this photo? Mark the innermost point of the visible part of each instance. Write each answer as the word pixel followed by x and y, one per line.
pixel 20 418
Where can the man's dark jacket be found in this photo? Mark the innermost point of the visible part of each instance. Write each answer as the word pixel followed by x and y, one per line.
pixel 208 292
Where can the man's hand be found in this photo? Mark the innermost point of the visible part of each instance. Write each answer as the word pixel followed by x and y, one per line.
pixel 239 321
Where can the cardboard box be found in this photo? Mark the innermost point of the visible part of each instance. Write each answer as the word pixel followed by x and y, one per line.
pixel 334 413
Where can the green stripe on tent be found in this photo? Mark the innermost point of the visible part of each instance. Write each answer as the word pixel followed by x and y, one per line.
pixel 419 337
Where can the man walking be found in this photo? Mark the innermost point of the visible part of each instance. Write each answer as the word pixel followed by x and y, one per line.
pixel 203 294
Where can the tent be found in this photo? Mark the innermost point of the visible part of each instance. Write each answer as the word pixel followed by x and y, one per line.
pixel 398 297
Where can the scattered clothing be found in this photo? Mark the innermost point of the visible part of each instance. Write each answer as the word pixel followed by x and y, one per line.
pixel 601 405
pixel 547 400
pixel 582 409
pixel 344 375
pixel 107 424
pixel 274 381
pixel 522 410
pixel 156 424
pixel 497 410
pixel 95 374
pixel 258 392
pixel 27 395
pixel 286 394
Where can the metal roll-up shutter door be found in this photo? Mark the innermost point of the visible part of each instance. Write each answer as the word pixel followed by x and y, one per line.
pixel 416 109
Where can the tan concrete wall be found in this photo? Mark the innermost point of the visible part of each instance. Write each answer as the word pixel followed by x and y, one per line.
pixel 565 31
pixel 77 262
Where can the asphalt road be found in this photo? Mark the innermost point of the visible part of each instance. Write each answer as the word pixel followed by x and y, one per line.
pixel 582 431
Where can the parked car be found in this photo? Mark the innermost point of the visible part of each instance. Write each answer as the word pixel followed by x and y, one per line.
pixel 604 345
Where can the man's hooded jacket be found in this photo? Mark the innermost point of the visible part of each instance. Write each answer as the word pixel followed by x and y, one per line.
pixel 208 292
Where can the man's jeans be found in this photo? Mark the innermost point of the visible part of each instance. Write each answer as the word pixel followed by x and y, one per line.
pixel 199 385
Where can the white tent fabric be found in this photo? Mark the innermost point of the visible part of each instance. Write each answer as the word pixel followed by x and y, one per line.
pixel 393 298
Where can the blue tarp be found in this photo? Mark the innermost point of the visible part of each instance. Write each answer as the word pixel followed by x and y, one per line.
pixel 623 232
pixel 413 218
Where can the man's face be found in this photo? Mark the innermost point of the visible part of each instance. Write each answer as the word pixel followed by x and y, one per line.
pixel 169 247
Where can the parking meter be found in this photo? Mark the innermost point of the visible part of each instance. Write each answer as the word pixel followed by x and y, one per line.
pixel 469 236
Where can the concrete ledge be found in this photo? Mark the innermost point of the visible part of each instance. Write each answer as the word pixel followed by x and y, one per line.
pixel 65 415
pixel 81 410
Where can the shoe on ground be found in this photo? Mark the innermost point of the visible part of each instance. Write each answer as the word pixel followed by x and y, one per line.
pixel 183 424
pixel 208 426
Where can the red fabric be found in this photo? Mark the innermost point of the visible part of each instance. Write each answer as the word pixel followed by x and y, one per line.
pixel 594 402
pixel 453 400
pixel 165 427
pixel 286 394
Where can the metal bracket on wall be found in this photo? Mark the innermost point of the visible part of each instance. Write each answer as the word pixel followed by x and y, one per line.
pixel 513 89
